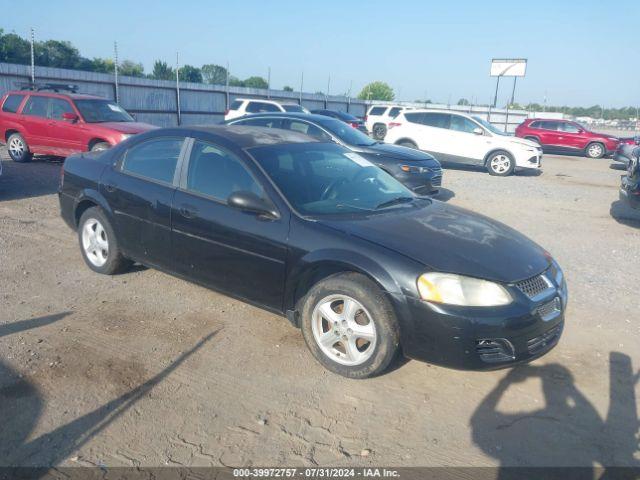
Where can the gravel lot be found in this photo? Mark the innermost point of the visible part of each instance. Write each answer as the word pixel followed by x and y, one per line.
pixel 145 369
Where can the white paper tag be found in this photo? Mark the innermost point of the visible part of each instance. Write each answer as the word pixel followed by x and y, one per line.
pixel 363 162
pixel 114 107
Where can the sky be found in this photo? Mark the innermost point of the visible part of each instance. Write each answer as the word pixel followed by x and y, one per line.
pixel 579 53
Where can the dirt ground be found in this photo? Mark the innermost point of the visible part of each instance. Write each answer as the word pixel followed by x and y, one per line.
pixel 148 370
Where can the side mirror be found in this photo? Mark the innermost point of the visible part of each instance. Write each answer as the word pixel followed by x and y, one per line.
pixel 478 131
pixel 250 202
pixel 70 117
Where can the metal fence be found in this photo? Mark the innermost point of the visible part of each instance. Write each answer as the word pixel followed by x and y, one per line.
pixel 156 101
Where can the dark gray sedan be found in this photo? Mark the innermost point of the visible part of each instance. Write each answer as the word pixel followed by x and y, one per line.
pixel 417 170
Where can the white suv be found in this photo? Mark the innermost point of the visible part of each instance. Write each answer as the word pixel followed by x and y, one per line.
pixel 244 106
pixel 459 138
pixel 379 116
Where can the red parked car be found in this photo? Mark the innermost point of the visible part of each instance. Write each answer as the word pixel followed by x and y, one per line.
pixel 564 136
pixel 60 124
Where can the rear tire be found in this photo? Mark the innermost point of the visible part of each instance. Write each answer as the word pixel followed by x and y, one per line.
pixel 349 325
pixel 501 164
pixel 595 150
pixel 99 245
pixel 18 148
pixel 379 131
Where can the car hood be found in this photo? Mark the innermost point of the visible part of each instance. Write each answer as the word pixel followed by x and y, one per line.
pixel 450 239
pixel 126 127
pixel 523 142
pixel 395 151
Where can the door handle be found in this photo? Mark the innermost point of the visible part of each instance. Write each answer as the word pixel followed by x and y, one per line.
pixel 109 187
pixel 187 211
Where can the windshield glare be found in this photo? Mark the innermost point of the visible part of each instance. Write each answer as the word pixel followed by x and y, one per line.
pixel 346 133
pixel 489 126
pixel 95 111
pixel 321 179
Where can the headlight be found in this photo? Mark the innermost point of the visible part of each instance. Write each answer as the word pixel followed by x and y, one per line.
pixel 124 136
pixel 458 290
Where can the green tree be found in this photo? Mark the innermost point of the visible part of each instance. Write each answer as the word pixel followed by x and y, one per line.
pixel 14 49
pixel 189 73
pixel 377 91
pixel 287 88
pixel 162 71
pixel 214 74
pixel 235 81
pixel 255 82
pixel 131 69
pixel 54 53
pixel 463 102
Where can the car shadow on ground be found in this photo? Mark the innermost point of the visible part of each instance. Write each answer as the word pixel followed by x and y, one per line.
pixel 519 172
pixel 618 166
pixel 567 429
pixel 39 177
pixel 22 404
pixel 444 195
pixel 624 214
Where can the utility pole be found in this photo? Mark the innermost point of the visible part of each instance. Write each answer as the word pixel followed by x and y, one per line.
pixel 178 87
pixel 33 57
pixel 301 85
pixel 269 82
pixel 226 85
pixel 115 69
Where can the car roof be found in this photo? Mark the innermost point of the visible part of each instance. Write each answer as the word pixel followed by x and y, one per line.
pixel 247 137
pixel 49 93
pixel 264 100
pixel 313 117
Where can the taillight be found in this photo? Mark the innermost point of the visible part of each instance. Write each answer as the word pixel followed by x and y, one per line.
pixel 365 118
pixel 393 124
pixel 353 124
pixel 226 112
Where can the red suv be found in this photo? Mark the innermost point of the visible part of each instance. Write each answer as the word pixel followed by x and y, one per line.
pixel 60 124
pixel 563 136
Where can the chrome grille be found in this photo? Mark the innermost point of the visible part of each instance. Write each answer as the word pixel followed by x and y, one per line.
pixel 436 181
pixel 544 341
pixel 534 286
pixel 550 310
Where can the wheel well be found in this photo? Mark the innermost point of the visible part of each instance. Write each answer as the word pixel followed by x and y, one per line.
pixel 532 137
pixel 316 274
pixel 82 207
pixel 497 150
pixel 94 141
pixel 400 140
pixel 380 123
pixel 9 132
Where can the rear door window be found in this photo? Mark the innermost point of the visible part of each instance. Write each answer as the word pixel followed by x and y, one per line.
pixel 256 107
pixel 12 103
pixel 437 120
pixel 154 159
pixel 377 110
pixel 414 117
pixel 548 125
pixel 36 106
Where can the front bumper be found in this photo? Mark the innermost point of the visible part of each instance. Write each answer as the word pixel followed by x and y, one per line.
pixel 632 199
pixel 529 159
pixel 480 338
pixel 427 183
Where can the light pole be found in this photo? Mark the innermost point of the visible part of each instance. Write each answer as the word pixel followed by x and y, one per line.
pixel 115 69
pixel 178 87
pixel 33 57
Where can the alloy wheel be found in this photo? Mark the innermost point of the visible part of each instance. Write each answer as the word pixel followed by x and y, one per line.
pixel 17 147
pixel 344 330
pixel 95 242
pixel 595 150
pixel 500 163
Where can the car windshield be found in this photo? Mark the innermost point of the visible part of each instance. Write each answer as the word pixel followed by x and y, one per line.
pixel 490 127
pixel 346 133
pixel 327 179
pixel 96 111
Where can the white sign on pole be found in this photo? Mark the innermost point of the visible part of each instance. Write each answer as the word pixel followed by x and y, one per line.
pixel 508 67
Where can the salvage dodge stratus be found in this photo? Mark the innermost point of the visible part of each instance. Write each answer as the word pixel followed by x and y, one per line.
pixel 315 232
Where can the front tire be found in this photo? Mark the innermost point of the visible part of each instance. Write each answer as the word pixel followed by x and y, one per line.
pixel 100 146
pixel 350 326
pixel 500 164
pixel 18 148
pixel 98 243
pixel 379 131
pixel 595 150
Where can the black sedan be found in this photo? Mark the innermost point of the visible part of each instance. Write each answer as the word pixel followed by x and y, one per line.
pixel 630 183
pixel 417 170
pixel 315 232
pixel 347 118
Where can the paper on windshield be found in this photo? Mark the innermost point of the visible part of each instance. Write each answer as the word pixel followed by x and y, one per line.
pixel 115 108
pixel 363 162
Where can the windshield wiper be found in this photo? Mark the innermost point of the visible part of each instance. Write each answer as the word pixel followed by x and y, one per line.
pixel 394 201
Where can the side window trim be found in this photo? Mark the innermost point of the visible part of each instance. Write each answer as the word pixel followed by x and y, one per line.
pixel 119 165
